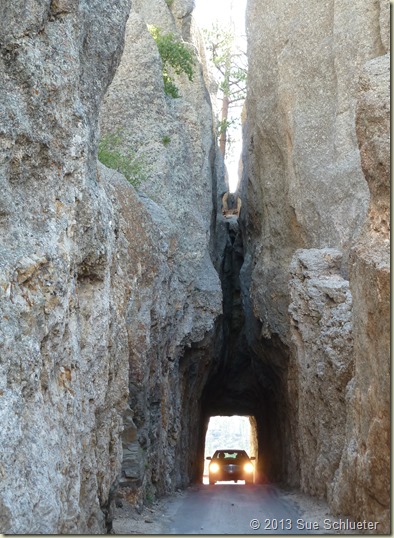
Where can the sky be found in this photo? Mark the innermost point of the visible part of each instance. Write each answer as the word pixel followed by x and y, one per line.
pixel 206 13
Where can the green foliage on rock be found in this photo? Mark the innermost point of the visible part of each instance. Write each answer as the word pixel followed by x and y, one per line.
pixel 131 165
pixel 176 59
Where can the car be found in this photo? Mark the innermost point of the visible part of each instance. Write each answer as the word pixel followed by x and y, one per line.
pixel 231 464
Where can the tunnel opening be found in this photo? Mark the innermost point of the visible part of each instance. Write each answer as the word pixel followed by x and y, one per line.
pixel 233 371
pixel 253 389
pixel 229 432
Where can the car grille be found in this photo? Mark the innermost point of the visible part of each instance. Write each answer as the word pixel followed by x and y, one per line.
pixel 232 468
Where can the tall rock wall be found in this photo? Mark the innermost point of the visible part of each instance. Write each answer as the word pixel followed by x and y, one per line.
pixel 108 297
pixel 310 281
pixel 363 482
pixel 173 139
pixel 304 184
pixel 63 342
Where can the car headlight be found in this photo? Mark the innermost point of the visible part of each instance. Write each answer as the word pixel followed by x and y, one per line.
pixel 248 468
pixel 214 467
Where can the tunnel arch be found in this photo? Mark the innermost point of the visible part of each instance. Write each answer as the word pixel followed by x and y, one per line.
pixel 233 370
pixel 250 388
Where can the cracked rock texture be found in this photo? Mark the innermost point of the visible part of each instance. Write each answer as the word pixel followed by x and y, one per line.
pixel 63 342
pixel 62 330
pixel 321 320
pixel 316 129
pixel 101 288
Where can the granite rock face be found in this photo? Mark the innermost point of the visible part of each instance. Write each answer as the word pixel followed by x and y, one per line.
pixel 316 128
pixel 105 293
pixel 363 484
pixel 303 180
pixel 62 330
pixel 321 326
pixel 168 358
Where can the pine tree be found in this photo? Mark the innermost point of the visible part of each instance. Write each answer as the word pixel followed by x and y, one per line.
pixel 231 68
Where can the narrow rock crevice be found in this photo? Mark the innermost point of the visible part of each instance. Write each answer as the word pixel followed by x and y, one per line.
pixel 248 377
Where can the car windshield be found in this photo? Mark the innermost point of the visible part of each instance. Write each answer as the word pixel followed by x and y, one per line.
pixel 230 454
